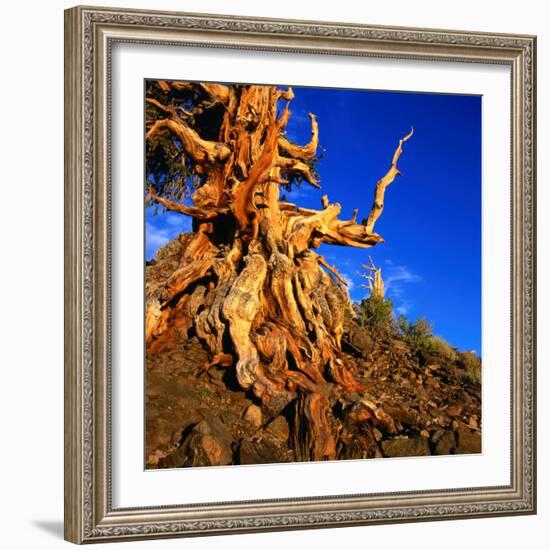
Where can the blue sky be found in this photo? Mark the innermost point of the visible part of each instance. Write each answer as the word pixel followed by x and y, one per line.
pixel 431 224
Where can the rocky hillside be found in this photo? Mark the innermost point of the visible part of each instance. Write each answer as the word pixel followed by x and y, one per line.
pixel 419 400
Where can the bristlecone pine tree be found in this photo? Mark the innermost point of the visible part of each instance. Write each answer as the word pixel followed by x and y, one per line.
pixel 250 285
pixel 373 275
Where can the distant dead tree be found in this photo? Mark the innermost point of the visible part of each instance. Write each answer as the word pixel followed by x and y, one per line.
pixel 375 282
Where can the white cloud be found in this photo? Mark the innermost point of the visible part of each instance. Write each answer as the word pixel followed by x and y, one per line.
pixel 349 280
pixel 396 277
pixel 402 309
pixel 183 223
pixel 167 227
pixel 155 237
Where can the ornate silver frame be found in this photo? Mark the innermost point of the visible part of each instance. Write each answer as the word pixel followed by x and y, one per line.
pixel 89 35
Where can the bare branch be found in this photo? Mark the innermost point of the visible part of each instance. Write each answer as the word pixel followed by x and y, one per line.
pixel 200 150
pixel 295 166
pixel 159 105
pixel 332 269
pixel 374 278
pixel 378 204
pixel 302 152
pixel 288 94
pixel 193 211
pixel 307 228
pixel 217 92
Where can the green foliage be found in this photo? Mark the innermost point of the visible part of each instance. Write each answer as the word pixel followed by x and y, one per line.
pixel 167 168
pixel 172 173
pixel 204 393
pixel 295 179
pixel 472 365
pixel 418 334
pixel 443 349
pixel 376 313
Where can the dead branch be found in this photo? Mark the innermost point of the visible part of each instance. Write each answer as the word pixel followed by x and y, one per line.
pixel 382 184
pixel 296 166
pixel 193 211
pixel 201 151
pixel 373 275
pixel 333 270
pixel 302 152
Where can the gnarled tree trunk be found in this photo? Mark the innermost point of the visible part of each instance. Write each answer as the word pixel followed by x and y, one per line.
pixel 249 283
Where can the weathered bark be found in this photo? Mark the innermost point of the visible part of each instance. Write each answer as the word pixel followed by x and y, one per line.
pixel 248 283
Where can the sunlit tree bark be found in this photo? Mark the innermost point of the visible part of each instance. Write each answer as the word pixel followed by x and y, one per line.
pixel 250 284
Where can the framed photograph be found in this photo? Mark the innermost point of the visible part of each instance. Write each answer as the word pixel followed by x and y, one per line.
pixel 300 274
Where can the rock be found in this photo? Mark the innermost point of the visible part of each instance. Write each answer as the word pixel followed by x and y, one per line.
pixel 259 451
pixel 208 451
pixel 278 427
pixel 437 435
pixel 455 410
pixel 209 444
pixel 253 415
pixel 426 358
pixel 414 446
pixel 401 414
pixel 155 457
pixel 354 451
pixel 400 346
pixel 433 367
pixel 385 421
pixel 446 443
pixel 411 398
pixel 206 445
pixel 468 442
pixel 358 339
pixel 216 376
pixel 277 402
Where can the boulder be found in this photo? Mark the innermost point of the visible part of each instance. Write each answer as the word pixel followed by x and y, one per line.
pixel 455 409
pixel 354 451
pixel 254 451
pixel 437 434
pixel 468 442
pixel 253 415
pixel 406 446
pixel 279 428
pixel 206 445
pixel 446 443
pixel 401 414
pixel 358 339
